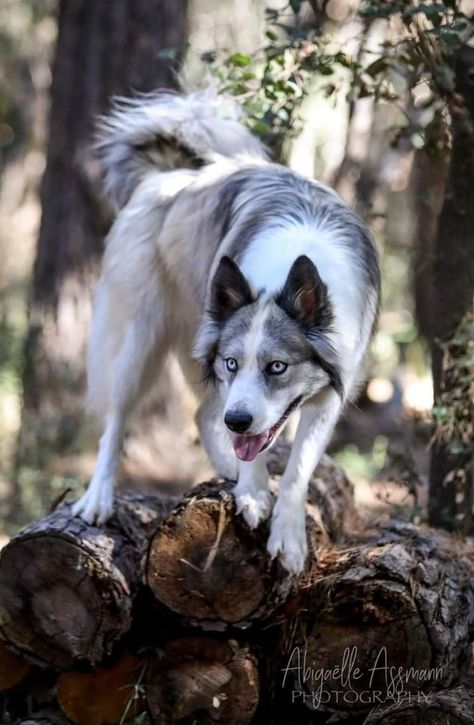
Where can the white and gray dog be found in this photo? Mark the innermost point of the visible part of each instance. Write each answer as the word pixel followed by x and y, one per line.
pixel 263 283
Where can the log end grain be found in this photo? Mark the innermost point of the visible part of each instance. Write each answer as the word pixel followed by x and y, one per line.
pixel 202 680
pixel 106 694
pixel 12 668
pixel 56 602
pixel 67 588
pixel 207 565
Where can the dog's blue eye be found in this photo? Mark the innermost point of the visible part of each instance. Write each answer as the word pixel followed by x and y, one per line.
pixel 277 367
pixel 231 364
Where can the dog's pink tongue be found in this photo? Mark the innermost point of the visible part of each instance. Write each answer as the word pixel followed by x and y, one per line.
pixel 248 447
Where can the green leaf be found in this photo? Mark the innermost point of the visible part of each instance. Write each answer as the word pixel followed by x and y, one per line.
pixel 295 5
pixel 208 56
pixel 241 60
pixel 451 39
pixel 261 128
pixel 376 67
pixel 169 53
pixel 326 70
pixel 271 14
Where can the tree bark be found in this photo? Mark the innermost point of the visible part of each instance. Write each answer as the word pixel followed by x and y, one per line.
pixel 427 186
pixel 451 474
pixel 404 599
pixel 206 565
pixel 450 707
pixel 103 49
pixel 67 588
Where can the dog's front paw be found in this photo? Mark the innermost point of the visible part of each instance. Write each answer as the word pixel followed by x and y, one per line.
pixel 255 506
pixel 94 506
pixel 288 538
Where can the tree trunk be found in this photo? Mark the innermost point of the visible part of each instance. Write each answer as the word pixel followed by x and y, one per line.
pixel 104 48
pixel 427 185
pixel 67 588
pixel 206 565
pixel 451 474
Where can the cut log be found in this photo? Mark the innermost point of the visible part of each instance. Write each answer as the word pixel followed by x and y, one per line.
pixel 12 668
pixel 106 695
pixel 45 717
pixel 201 680
pixel 450 707
pixel 208 566
pixel 390 616
pixel 66 588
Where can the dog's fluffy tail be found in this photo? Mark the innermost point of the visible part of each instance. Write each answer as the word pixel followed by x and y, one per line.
pixel 165 131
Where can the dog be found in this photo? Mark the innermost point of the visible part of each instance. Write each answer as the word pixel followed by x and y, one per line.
pixel 263 283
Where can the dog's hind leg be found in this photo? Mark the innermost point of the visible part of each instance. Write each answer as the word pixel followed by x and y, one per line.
pixel 126 374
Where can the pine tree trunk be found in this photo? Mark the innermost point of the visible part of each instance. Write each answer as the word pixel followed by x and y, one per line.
pixel 451 475
pixel 427 185
pixel 103 49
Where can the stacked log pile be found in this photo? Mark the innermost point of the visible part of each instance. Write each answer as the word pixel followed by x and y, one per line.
pixel 174 613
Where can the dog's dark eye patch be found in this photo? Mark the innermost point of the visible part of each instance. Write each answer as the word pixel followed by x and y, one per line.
pixel 333 372
pixel 303 345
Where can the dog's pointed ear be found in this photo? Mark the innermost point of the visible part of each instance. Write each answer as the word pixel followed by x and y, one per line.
pixel 304 296
pixel 230 290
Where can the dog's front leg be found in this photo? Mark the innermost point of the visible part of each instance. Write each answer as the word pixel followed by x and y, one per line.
pixel 96 504
pixel 252 496
pixel 288 527
pixel 215 438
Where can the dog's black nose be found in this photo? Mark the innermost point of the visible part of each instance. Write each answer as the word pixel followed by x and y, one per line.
pixel 238 421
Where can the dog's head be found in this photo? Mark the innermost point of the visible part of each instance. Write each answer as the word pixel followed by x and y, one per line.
pixel 266 353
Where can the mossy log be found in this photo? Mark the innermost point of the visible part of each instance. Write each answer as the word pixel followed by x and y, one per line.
pixel 67 588
pixel 206 565
pixel 391 615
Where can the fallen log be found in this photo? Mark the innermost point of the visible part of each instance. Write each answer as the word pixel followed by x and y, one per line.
pixel 206 565
pixel 107 694
pixel 449 707
pixel 45 717
pixel 67 588
pixel 202 680
pixel 389 616
pixel 12 668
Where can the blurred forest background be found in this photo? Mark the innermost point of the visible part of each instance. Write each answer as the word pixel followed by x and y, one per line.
pixel 375 99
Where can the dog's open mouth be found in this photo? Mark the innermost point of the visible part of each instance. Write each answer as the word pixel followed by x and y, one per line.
pixel 248 446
